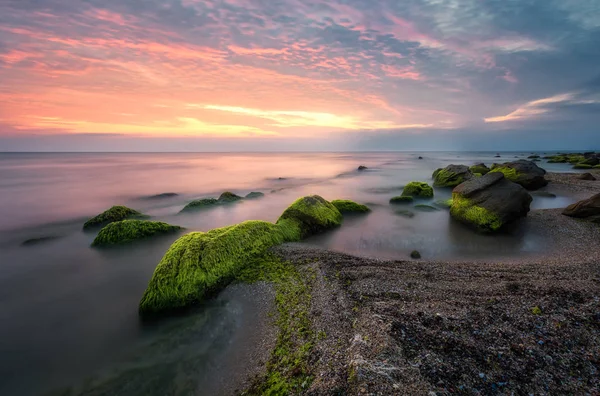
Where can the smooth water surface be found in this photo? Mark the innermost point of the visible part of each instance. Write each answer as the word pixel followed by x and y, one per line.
pixel 69 312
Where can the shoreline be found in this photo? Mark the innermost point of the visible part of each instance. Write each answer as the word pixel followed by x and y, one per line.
pixel 497 325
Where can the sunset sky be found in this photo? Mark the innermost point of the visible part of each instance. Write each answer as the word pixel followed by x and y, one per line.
pixel 299 74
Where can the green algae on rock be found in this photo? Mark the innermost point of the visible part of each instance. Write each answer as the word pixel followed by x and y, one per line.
pixel 254 195
pixel 479 168
pixel 523 172
pixel 451 176
pixel 228 197
pixel 418 190
pixel 582 166
pixel 401 199
pixel 200 263
pixel 347 206
pixel 125 231
pixel 198 204
pixel 116 213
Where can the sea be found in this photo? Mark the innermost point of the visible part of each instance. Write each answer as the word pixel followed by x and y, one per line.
pixel 68 320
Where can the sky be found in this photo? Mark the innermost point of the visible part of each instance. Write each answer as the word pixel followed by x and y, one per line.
pixel 231 75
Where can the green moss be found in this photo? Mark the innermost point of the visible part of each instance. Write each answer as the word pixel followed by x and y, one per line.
pixel 575 159
pixel 509 173
pixel 347 206
pixel 582 166
pixel 415 254
pixel 405 213
pixel 255 195
pixel 116 213
pixel 436 172
pixel 418 190
pixel 536 310
pixel 312 215
pixel 200 204
pixel 481 169
pixel 446 178
pixel 402 199
pixel 482 219
pixel 125 231
pixel 444 203
pixel 200 263
pixel 228 197
pixel 596 166
pixel 426 208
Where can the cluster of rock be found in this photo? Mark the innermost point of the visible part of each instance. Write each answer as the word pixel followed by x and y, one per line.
pixel 587 160
pixel 226 198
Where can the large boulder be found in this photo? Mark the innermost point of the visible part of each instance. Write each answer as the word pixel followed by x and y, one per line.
pixel 490 202
pixel 418 190
pixel 312 215
pixel 523 172
pixel 587 209
pixel 451 176
pixel 126 231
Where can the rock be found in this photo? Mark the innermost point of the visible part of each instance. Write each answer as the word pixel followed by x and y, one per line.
pixel 415 254
pixel 116 213
pixel 254 195
pixel 533 156
pixel 451 176
pixel 402 199
pixel 479 168
pixel 121 232
pixel 582 166
pixel 312 215
pixel 405 213
pixel 426 208
pixel 229 197
pixel 362 168
pixel 497 156
pixel 420 157
pixel 418 190
pixel 490 202
pixel 587 209
pixel 198 204
pixel 161 196
pixel 523 172
pixel 586 176
pixel 347 206
pixel 39 240
pixel 593 161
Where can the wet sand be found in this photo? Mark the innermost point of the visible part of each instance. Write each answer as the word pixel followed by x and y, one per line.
pixel 523 325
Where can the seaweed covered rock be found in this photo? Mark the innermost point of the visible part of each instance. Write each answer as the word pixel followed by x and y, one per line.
pixel 523 172
pixel 116 213
pixel 312 214
pixel 402 199
pixel 418 190
pixel 228 197
pixel 200 263
pixel 490 202
pixel 126 231
pixel 582 166
pixel 479 168
pixel 347 206
pixel 451 176
pixel 254 195
pixel 198 204
pixel 587 209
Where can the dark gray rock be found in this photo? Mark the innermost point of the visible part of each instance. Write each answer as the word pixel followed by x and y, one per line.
pixel 523 172
pixel 586 209
pixel 586 176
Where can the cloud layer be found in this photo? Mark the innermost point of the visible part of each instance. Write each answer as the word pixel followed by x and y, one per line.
pixel 287 70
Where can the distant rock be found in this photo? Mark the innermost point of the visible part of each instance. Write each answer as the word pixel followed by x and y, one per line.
pixel 451 176
pixel 126 231
pixel 199 204
pixel 586 176
pixel 116 213
pixel 254 195
pixel 588 209
pixel 346 206
pixel 39 240
pixel 490 202
pixel 415 254
pixel 533 156
pixel 228 197
pixel 161 196
pixel 405 213
pixel 362 168
pixel 420 157
pixel 402 199
pixel 523 172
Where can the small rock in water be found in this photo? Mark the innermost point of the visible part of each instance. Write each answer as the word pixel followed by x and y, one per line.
pixel 415 254
pixel 362 168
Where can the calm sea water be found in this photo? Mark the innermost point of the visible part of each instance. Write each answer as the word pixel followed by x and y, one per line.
pixel 69 312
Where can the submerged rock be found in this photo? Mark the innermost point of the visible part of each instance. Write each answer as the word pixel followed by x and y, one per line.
pixel 402 199
pixel 116 213
pixel 161 196
pixel 443 203
pixel 522 172
pixel 415 254
pixel 451 176
pixel 39 240
pixel 347 206
pixel 418 190
pixel 405 213
pixel 480 168
pixel 201 263
pixel 228 197
pixel 426 208
pixel 126 231
pixel 587 209
pixel 586 176
pixel 198 204
pixel 254 195
pixel 362 168
pixel 490 202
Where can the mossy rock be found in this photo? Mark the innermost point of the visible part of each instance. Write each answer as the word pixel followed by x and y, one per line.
pixel 443 203
pixel 229 197
pixel 418 190
pixel 116 213
pixel 426 208
pixel 347 206
pixel 436 172
pixel 523 172
pixel 479 168
pixel 405 213
pixel 415 254
pixel 198 204
pixel 312 215
pixel 126 231
pixel 451 176
pixel 582 166
pixel 401 199
pixel 596 167
pixel 254 195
